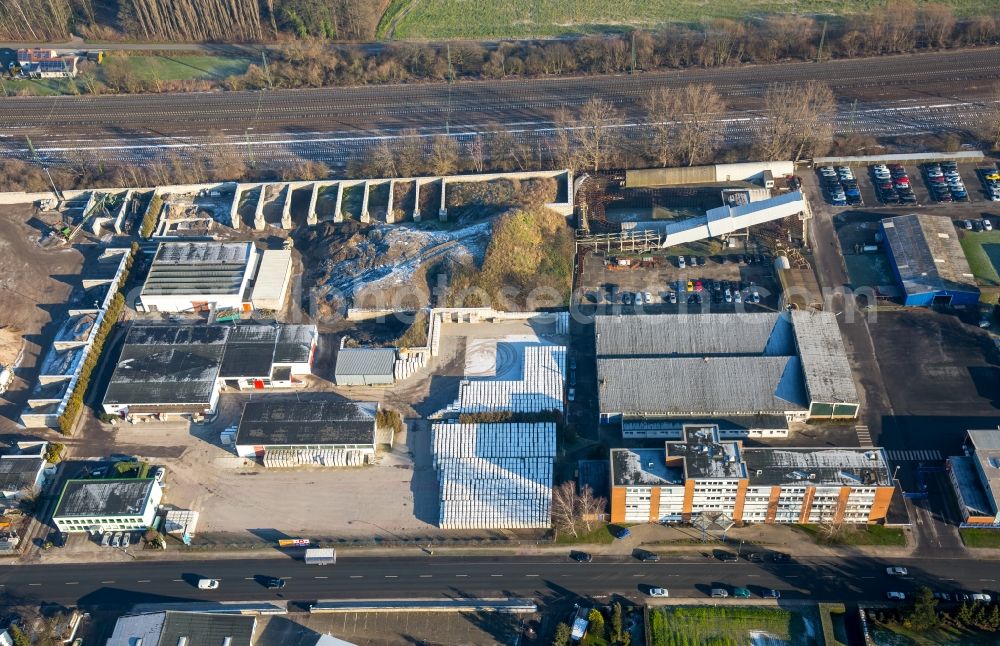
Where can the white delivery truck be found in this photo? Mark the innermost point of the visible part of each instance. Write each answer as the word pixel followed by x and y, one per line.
pixel 316 556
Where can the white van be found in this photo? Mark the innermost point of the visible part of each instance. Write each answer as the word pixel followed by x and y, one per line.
pixel 208 584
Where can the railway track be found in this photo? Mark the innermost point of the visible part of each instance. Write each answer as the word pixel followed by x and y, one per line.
pixel 889 96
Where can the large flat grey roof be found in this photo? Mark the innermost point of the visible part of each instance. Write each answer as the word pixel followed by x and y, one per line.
pixel 701 386
pixel 736 334
pixel 365 361
pixel 824 357
pixel 316 421
pixel 114 497
pixel 198 268
pixel 818 467
pixel 927 254
pixel 180 364
pixel 170 628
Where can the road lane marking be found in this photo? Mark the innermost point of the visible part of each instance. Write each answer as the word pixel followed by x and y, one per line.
pixel 143 581
pixel 461 575
pixel 747 575
pixel 34 584
pixel 113 581
pixel 496 575
pixel 72 583
pixel 175 580
pixel 248 578
pixel 530 575
pixel 426 576
pixel 321 577
pixel 357 576
pixel 391 576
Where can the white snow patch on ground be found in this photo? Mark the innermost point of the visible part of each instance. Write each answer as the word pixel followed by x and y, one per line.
pixel 413 248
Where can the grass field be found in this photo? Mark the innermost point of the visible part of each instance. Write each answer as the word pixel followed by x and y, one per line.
pixel 513 18
pixel 940 636
pixel 973 537
pixel 704 625
pixel 983 253
pixel 183 68
pixel 850 535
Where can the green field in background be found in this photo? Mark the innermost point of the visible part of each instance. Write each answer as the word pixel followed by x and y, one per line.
pixel 516 18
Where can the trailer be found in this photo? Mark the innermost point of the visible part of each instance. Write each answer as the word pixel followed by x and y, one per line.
pixel 317 556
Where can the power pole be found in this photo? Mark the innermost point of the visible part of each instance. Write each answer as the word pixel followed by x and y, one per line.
pixel 451 81
pixel 38 160
pixel 267 72
pixel 633 51
pixel 822 39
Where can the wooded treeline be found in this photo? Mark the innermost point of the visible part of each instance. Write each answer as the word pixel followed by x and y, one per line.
pixel 190 20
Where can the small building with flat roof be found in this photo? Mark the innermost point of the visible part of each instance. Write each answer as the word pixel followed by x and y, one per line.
pixel 273 277
pixel 928 261
pixel 22 469
pixel 186 276
pixel 112 504
pixel 365 367
pixel 183 628
pixel 975 477
pixel 324 431
pixel 702 473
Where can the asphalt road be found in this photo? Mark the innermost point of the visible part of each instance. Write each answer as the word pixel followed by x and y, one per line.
pixel 895 95
pixel 543 578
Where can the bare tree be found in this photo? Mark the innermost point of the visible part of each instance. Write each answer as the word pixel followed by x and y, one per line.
pixel 564 504
pixel 477 154
pixel 590 507
pixel 505 151
pixel 596 134
pixel 444 155
pixel 659 145
pixel 563 146
pixel 410 153
pixel 698 110
pixel 800 120
pixel 939 23
pixel 382 161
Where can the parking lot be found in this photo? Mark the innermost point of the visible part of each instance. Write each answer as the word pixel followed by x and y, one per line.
pixel 942 376
pixel 902 186
pixel 717 283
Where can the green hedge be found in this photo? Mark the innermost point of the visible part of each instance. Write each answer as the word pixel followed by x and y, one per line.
pixel 75 404
pixel 152 215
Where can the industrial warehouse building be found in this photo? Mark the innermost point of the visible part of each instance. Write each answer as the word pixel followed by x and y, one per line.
pixel 756 372
pixel 928 261
pixel 975 477
pixel 702 473
pixel 22 469
pixel 107 505
pixel 319 431
pixel 180 369
pixel 494 476
pixel 187 276
pixel 365 367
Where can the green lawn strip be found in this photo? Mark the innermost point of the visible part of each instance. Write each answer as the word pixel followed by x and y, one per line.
pixel 943 635
pixel 975 537
pixel 183 68
pixel 698 625
pixel 600 533
pixel 979 261
pixel 851 535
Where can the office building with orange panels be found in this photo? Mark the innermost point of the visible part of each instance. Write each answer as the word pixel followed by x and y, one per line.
pixel 702 473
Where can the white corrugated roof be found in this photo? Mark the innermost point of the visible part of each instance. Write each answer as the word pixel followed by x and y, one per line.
pixel 273 274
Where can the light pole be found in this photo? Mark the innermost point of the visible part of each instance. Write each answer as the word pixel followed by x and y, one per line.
pixel 246 135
